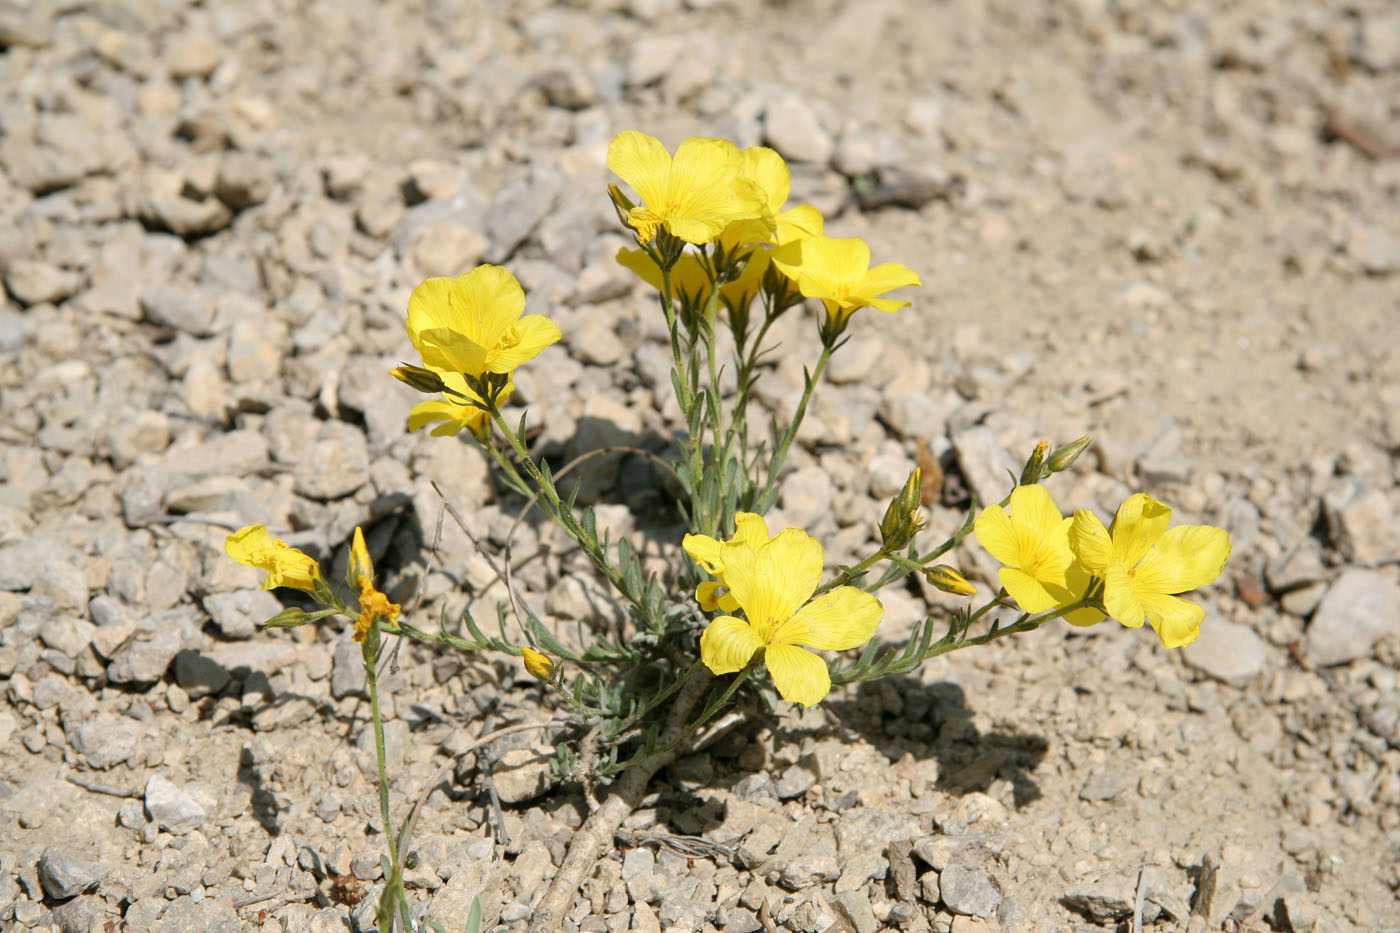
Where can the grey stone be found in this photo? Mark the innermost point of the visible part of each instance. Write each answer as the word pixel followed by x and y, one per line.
pixel 968 891
pixel 1378 42
pixel 192 55
pixel 987 466
pixel 597 346
pixel 792 127
pixel 238 614
pixel 794 782
pixel 145 658
pixel 33 282
pixel 105 743
pixel 1229 652
pixel 1362 607
pixel 1374 249
pixel 447 247
pixel 189 310
pixel 523 774
pixel 164 204
pixel 348 671
pixel 1107 784
pixel 62 584
pixel 806 498
pixel 199 676
pixel 1360 521
pixel 185 914
pixel 81 914
pixel 172 809
pixel 517 208
pixel 336 465
pixel 639 861
pixel 861 151
pixel 854 907
pixel 64 876
pixel 888 475
pixel 245 179
pixel 741 920
pixel 1296 568
pixel 568 87
pixel 938 852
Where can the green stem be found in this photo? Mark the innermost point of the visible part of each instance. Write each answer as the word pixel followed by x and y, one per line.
pixel 369 653
pixel 846 576
pixel 780 451
pixel 688 731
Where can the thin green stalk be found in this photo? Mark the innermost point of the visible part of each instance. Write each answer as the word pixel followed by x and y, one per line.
pixel 846 576
pixel 780 451
pixel 708 713
pixel 370 655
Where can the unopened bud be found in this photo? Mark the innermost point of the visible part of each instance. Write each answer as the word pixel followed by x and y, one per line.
pixel 1063 457
pixel 539 665
pixel 621 203
pixel 903 520
pixel 949 580
pixel 1032 471
pixel 416 377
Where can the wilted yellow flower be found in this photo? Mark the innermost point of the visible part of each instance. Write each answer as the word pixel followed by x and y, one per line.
pixel 473 325
pixel 539 665
pixel 749 529
pixel 1144 564
pixel 838 272
pixel 254 546
pixel 1042 572
pixel 772 585
pixel 694 196
pixel 374 605
pixel 454 413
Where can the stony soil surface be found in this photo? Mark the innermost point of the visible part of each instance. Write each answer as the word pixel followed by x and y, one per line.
pixel 1171 227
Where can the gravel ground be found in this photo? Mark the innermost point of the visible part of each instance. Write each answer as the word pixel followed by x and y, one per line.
pixel 1171 226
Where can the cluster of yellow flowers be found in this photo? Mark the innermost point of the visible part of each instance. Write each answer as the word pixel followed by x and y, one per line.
pixel 712 192
pixel 1133 570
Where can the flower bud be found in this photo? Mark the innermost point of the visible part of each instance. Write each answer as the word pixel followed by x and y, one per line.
pixel 903 520
pixel 949 580
pixel 1063 457
pixel 539 665
pixel 1032 471
pixel 416 377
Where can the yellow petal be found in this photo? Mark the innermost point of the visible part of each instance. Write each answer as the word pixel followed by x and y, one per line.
pixel 1140 523
pixel 887 305
pixel 844 618
pixel 707 594
pixel 249 544
pixel 488 301
pixel 1084 617
pixel 886 277
pixel 703 194
pixel 1035 515
pixel 361 567
pixel 530 335
pixel 727 644
pixel 443 348
pixel 1030 594
pixel 643 163
pixel 705 550
pixel 996 534
pixel 798 222
pixel 767 170
pixel 750 529
pixel 1177 621
pixel 1120 597
pixel 1090 542
pixel 799 675
pixel 437 410
pixel 772 582
pixel 641 265
pixel 1187 557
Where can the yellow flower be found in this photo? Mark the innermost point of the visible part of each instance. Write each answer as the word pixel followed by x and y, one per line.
pixel 253 546
pixel 838 272
pixel 689 281
pixel 772 585
pixel 1041 571
pixel 374 605
pixel 539 665
pixel 749 529
pixel 451 410
pixel 767 170
pixel 1144 565
pixel 694 196
pixel 472 324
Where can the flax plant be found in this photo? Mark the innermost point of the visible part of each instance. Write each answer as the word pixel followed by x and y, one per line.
pixel 747 607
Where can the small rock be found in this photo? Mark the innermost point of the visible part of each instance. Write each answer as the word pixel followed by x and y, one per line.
pixel 336 465
pixel 348 671
pixel 568 87
pixel 854 908
pixel 199 676
pixel 1360 521
pixel 1374 249
pixel 192 55
pixel 653 56
pixel 597 346
pixel 792 127
pixel 888 475
pixel 1378 42
pixel 446 247
pixel 861 151
pixel 985 464
pixel 806 497
pixel 144 659
pixel 968 891
pixel 184 309
pixel 1229 652
pixel 1107 784
pixel 171 808
pixel 164 203
pixel 794 782
pixel 518 208
pixel 639 861
pixel 64 876
pixel 105 743
pixel 1360 608
pixel 245 179
pixel 33 282
pixel 238 614
pixel 523 774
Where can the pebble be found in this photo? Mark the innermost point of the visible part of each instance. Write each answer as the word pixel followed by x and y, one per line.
pixel 522 774
pixel 105 743
pixel 145 658
pixel 239 615
pixel 1374 249
pixel 199 676
pixel 1360 608
pixel 245 180
pixel 986 466
pixel 33 282
pixel 172 809
pixel 336 464
pixel 185 309
pixel 794 782
pixel 968 891
pixel 64 876
pixel 1360 521
pixel 1227 651
pixel 791 126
